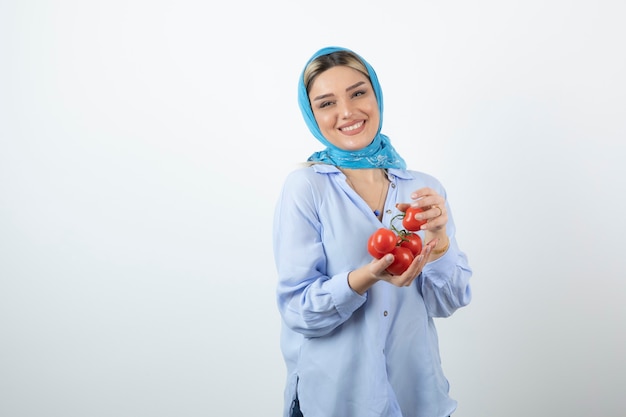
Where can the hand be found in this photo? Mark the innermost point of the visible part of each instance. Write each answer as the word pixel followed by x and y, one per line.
pixel 408 276
pixel 434 206
pixel 360 280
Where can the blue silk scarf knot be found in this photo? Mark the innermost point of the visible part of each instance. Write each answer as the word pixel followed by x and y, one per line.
pixel 378 154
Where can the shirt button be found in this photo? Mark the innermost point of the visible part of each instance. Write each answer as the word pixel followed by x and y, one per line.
pixel 388 211
pixel 393 185
pixel 385 313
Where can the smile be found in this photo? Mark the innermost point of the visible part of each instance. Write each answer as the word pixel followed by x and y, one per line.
pixel 353 127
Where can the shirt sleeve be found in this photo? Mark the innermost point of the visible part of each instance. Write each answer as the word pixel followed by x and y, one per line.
pixel 310 302
pixel 445 282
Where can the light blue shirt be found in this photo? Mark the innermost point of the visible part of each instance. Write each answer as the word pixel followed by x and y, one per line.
pixel 351 355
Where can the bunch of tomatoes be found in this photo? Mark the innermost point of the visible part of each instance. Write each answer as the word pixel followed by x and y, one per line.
pixel 403 244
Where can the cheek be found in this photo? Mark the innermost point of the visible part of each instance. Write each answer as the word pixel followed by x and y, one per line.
pixel 374 114
pixel 324 121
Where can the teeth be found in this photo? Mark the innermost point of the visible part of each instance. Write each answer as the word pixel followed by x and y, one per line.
pixel 355 126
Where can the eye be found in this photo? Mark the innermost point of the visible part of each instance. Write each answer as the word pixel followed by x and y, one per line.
pixel 359 93
pixel 324 104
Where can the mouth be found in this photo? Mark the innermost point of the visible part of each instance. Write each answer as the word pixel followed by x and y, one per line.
pixel 352 128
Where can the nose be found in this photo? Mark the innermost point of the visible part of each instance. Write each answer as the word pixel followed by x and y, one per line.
pixel 345 109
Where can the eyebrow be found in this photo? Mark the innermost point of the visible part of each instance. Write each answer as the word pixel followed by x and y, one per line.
pixel 352 87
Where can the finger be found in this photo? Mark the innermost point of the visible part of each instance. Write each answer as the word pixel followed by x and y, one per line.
pixel 378 266
pixel 437 222
pixel 429 202
pixel 435 211
pixel 430 245
pixel 414 270
pixel 416 266
pixel 403 206
pixel 422 192
pixel 428 217
pixel 435 215
pixel 407 278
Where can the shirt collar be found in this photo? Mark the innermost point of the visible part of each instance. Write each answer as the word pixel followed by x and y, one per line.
pixel 331 169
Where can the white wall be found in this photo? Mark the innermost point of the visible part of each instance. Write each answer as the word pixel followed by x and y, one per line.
pixel 143 144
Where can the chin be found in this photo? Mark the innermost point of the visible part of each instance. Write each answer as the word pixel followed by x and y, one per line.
pixel 352 147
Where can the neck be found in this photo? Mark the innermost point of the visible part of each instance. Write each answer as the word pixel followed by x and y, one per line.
pixel 371 185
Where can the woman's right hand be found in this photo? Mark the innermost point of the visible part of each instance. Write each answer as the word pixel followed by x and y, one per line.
pixel 360 280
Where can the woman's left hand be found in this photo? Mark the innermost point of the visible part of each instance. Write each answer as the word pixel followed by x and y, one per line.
pixel 434 206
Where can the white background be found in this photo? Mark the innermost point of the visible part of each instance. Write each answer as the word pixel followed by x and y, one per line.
pixel 143 145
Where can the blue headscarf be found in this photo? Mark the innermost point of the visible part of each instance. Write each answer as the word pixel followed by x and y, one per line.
pixel 378 154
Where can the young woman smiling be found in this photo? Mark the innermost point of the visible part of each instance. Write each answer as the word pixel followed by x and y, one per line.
pixel 357 340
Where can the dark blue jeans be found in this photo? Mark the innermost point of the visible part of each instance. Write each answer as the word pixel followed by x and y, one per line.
pixel 295 409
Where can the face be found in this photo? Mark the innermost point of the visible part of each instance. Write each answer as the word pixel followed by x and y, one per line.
pixel 345 107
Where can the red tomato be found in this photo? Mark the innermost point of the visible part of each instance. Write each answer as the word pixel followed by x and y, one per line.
pixel 411 241
pixel 372 250
pixel 402 259
pixel 381 242
pixel 410 222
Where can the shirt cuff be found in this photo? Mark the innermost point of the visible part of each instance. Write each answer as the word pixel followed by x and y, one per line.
pixel 440 269
pixel 347 301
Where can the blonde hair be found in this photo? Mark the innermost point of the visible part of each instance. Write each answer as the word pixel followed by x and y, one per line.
pixel 334 59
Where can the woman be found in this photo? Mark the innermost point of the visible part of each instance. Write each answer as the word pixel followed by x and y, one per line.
pixel 358 341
